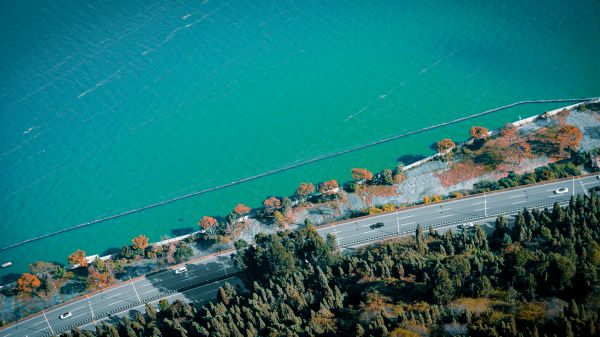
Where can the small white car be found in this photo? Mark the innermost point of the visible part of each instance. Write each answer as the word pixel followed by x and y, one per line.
pixel 561 190
pixel 66 315
pixel 466 225
pixel 180 270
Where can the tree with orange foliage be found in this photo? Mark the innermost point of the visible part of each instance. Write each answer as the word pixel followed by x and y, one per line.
pixel 140 242
pixel 28 283
pixel 445 145
pixel 361 174
pixel 304 190
pixel 208 223
pixel 479 132
pixel 569 136
pixel 329 187
pixel 271 205
pixel 77 259
pixel 241 209
pixel 509 130
pixel 98 280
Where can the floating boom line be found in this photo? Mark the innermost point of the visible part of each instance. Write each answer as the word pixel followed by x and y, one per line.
pixel 292 166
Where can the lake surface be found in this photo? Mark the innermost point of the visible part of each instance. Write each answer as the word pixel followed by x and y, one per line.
pixel 112 105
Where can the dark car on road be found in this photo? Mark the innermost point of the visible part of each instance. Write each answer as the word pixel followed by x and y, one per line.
pixel 377 225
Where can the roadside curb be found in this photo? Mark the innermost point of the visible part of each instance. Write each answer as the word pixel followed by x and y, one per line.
pixel 443 224
pixel 145 301
pixel 450 200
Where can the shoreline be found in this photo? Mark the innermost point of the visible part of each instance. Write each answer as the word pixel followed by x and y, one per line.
pixel 293 166
pixel 219 247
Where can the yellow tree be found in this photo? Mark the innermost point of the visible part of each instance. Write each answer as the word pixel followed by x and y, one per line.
pixel 140 242
pixel 28 283
pixel 77 259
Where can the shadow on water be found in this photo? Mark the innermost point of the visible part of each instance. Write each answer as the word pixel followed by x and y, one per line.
pixel 8 278
pixel 111 251
pixel 411 158
pixel 182 231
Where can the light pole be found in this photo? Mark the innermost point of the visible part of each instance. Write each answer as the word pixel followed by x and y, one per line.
pixel 135 290
pixel 224 268
pixel 46 318
pixel 397 221
pixel 484 205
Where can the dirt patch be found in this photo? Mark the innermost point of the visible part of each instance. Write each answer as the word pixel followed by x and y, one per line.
pixel 461 171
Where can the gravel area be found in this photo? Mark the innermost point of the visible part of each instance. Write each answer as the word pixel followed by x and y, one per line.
pixel 588 123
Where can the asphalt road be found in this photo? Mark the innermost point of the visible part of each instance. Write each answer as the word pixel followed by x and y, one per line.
pixel 124 298
pixel 166 284
pixel 452 213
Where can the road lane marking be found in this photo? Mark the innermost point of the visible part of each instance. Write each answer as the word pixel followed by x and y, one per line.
pixel 406 217
pixel 516 196
pixel 518 202
pixel 149 291
pixel 445 216
pixel 479 209
pixel 362 233
pixel 145 285
pixel 79 315
pixel 408 223
pixel 478 203
pixel 116 302
pixel 583 187
pixel 115 295
pixel 40 322
pixel 83 306
pixel 42 329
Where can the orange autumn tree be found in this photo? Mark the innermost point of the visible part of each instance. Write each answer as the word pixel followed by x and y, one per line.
pixel 140 242
pixel 207 223
pixel 329 187
pixel 359 174
pixel 569 136
pixel 98 280
pixel 28 283
pixel 509 130
pixel 271 205
pixel 241 209
pixel 479 132
pixel 445 145
pixel 77 259
pixel 304 190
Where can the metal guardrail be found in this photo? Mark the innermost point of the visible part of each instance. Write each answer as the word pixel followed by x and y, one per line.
pixel 145 301
pixel 410 231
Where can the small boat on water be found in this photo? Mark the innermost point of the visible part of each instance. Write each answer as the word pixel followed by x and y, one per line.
pixel 6 264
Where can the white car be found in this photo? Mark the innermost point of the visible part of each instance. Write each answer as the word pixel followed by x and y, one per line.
pixel 66 315
pixel 180 270
pixel 466 225
pixel 561 190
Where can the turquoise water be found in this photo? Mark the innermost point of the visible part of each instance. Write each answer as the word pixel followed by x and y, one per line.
pixel 111 105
